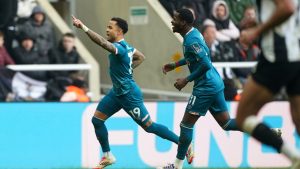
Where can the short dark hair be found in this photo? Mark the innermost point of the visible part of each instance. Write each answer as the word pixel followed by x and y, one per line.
pixel 186 15
pixel 69 34
pixel 121 23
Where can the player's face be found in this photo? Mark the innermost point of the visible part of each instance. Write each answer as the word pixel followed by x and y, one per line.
pixel 113 31
pixel 177 23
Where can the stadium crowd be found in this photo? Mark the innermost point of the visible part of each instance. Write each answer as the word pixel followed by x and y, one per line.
pixel 28 37
pixel 221 29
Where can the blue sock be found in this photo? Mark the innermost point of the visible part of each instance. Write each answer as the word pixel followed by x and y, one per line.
pixel 185 139
pixel 101 133
pixel 231 125
pixel 163 132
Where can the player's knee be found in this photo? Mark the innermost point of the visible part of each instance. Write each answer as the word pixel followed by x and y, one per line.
pixel 226 126
pixel 97 122
pixel 151 128
pixel 249 124
pixel 186 133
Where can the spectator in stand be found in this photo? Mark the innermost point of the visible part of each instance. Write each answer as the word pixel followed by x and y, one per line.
pixel 245 52
pixel 226 30
pixel 65 53
pixel 5 58
pixel 220 51
pixel 77 92
pixel 5 74
pixel 237 9
pixel 8 12
pixel 209 34
pixel 42 28
pixel 249 18
pixel 170 6
pixel 25 8
pixel 29 85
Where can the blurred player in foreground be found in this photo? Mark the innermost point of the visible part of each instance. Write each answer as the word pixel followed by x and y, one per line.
pixel 279 66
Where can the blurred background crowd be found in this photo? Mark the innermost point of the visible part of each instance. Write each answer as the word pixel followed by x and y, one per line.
pixel 220 22
pixel 28 37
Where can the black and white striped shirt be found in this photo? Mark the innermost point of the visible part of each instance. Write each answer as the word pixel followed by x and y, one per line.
pixel 281 44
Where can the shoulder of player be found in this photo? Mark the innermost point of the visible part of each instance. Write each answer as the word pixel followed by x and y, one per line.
pixel 124 44
pixel 192 41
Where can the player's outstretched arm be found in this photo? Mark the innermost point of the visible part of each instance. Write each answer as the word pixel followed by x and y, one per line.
pixel 98 39
pixel 138 58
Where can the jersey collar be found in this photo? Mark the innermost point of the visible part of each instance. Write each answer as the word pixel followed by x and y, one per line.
pixel 189 31
pixel 121 40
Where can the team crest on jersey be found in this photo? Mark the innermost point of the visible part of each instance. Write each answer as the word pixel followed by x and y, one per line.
pixel 196 47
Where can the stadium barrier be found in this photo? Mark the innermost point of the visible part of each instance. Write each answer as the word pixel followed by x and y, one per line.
pixel 61 135
pixel 88 67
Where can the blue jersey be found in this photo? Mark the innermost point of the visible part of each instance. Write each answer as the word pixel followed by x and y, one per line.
pixel 120 69
pixel 196 54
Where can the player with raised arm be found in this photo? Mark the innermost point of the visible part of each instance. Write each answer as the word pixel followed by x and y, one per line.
pixel 125 93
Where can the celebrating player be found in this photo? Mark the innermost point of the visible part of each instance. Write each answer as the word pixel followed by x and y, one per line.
pixel 125 92
pixel 208 86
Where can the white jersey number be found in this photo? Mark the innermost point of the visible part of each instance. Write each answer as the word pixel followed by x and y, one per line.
pixel 130 55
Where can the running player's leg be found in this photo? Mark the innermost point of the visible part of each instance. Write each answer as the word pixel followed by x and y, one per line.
pixel 197 106
pixel 106 108
pixel 157 129
pixel 219 111
pixel 132 103
pixel 185 138
pixel 295 112
pixel 253 98
pixel 267 80
pixel 293 91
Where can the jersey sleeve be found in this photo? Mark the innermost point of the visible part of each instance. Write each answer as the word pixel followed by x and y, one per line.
pixel 120 50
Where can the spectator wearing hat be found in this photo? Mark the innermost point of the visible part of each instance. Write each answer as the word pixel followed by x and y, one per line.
pixel 226 30
pixel 42 28
pixel 29 85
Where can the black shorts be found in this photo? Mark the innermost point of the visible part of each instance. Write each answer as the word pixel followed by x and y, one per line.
pixel 274 76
